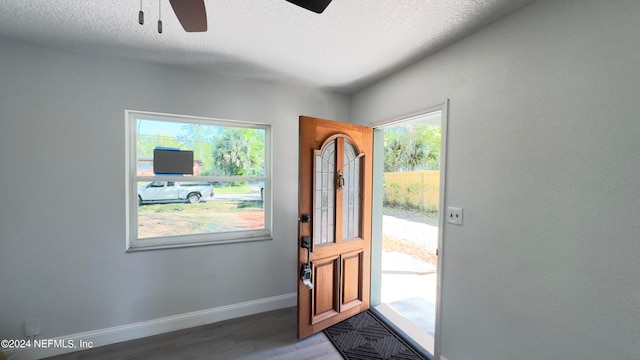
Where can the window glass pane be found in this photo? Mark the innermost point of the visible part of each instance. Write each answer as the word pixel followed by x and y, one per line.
pixel 189 208
pixel 217 150
pixel 351 194
pixel 226 199
pixel 325 165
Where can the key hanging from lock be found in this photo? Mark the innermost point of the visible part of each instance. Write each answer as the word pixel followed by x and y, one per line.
pixel 305 276
pixel 305 272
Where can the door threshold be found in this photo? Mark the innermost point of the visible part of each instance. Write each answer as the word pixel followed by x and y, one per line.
pixel 417 337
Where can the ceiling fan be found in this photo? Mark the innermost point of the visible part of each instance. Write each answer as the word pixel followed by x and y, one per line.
pixel 193 16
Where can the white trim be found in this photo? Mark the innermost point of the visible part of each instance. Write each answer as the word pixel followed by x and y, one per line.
pixel 443 108
pixel 441 217
pixel 199 179
pixel 142 329
pixel 411 115
pixel 133 243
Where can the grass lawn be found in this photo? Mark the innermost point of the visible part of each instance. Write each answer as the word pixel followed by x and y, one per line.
pixel 244 189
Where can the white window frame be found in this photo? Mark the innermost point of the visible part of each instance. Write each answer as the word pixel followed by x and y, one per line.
pixel 179 241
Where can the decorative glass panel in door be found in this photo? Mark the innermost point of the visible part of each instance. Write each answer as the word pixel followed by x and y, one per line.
pixel 325 194
pixel 351 197
pixel 337 191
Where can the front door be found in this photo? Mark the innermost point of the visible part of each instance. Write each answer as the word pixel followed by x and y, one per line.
pixel 334 233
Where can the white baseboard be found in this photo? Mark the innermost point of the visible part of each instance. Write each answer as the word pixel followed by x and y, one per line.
pixel 154 327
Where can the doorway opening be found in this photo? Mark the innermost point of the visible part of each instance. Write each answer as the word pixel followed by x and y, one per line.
pixel 409 195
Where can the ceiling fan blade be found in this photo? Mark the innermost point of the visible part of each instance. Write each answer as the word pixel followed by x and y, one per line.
pixel 316 6
pixel 191 13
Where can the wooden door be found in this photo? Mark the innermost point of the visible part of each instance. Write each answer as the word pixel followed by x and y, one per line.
pixel 335 220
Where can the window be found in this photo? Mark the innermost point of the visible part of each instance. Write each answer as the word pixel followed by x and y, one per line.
pixel 227 196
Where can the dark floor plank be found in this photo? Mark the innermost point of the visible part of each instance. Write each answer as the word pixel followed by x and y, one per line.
pixel 269 335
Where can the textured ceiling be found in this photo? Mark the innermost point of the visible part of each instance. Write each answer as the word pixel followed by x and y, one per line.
pixel 350 45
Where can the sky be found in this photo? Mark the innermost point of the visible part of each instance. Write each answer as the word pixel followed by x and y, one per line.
pixel 153 127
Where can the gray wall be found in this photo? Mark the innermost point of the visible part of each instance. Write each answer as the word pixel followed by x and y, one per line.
pixel 544 157
pixel 62 192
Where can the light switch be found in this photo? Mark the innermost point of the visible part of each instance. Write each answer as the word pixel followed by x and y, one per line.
pixel 454 215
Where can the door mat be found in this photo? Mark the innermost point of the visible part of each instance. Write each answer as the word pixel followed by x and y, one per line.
pixel 365 337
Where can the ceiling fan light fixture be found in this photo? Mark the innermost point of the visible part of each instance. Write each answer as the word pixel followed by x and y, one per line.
pixel 141 15
pixel 192 14
pixel 159 17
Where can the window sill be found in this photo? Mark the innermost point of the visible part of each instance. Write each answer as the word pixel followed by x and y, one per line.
pixel 138 248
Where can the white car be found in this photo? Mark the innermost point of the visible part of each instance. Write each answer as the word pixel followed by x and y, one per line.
pixel 171 191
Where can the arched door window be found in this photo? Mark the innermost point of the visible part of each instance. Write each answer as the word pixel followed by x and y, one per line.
pixel 337 191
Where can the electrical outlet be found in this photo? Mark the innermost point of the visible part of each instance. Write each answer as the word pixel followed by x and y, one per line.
pixel 32 327
pixel 454 215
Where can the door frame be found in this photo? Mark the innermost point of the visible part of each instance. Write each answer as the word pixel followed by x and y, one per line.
pixel 378 195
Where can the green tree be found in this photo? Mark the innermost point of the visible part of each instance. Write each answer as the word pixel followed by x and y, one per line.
pixel 431 137
pixel 239 151
pixel 146 143
pixel 199 139
pixel 394 147
pixel 412 147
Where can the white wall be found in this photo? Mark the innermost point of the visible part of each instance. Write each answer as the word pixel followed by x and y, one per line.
pixel 62 192
pixel 544 157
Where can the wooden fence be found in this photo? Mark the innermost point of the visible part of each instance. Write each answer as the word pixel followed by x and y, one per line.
pixel 419 189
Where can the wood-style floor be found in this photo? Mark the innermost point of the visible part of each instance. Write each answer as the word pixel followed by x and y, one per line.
pixel 270 335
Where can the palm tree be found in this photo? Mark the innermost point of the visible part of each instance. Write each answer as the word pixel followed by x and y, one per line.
pixel 237 152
